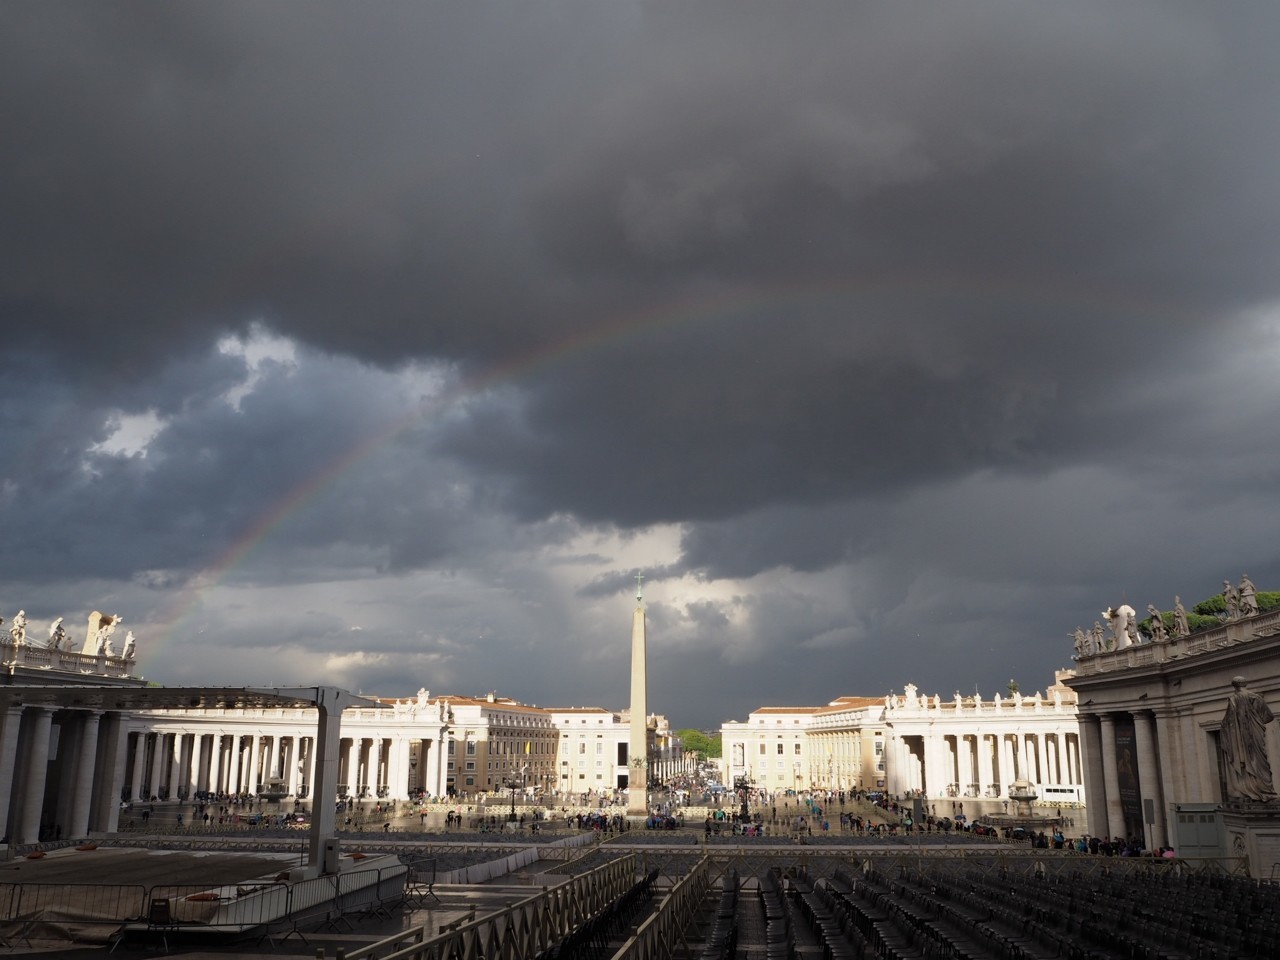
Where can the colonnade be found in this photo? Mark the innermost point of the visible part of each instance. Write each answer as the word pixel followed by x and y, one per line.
pixel 61 771
pixel 168 764
pixel 1125 772
pixel 985 764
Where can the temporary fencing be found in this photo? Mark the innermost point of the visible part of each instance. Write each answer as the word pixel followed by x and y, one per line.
pixel 102 913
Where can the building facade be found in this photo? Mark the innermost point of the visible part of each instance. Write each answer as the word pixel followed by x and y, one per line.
pixel 1151 718
pixel 909 745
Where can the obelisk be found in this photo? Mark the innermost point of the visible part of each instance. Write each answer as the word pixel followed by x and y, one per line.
pixel 638 751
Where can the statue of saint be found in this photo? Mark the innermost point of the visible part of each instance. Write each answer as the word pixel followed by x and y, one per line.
pixel 1248 597
pixel 18 629
pixel 1243 739
pixel 1099 637
pixel 1158 632
pixel 1180 626
pixel 1082 643
pixel 1232 599
pixel 56 635
pixel 1123 629
pixel 130 646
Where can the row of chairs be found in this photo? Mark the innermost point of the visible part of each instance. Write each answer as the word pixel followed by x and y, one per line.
pixel 779 937
pixel 592 940
pixel 722 941
pixel 1149 916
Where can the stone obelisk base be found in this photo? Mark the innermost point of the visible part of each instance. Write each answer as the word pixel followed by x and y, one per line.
pixel 637 801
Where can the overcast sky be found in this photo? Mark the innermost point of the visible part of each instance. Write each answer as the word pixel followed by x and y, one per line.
pixel 384 344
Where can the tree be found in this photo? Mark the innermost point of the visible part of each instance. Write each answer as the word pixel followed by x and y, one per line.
pixel 701 743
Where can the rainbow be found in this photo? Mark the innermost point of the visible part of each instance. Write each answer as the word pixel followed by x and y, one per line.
pixel 723 304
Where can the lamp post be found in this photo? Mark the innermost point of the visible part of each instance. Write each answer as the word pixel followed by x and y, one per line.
pixel 511 817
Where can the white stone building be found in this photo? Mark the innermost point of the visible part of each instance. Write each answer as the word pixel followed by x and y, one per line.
pixel 912 745
pixel 1151 716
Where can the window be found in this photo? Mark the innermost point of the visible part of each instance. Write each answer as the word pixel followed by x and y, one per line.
pixel 780 749
pixel 763 749
pixel 582 748
pixel 471 764
pixel 797 749
pixel 471 748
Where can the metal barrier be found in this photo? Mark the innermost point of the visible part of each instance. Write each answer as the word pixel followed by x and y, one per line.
pixel 518 932
pixel 659 935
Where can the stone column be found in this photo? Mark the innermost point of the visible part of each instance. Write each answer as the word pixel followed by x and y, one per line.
pixel 1148 774
pixel 215 763
pixel 12 720
pixel 362 767
pixel 1111 778
pixel 345 777
pixel 1095 787
pixel 964 748
pixel 398 769
pixel 986 775
pixel 41 721
pixel 1034 758
pixel 268 758
pixel 158 754
pixel 86 757
pixel 139 765
pixel 113 737
pixel 251 778
pixel 177 775
pixel 1171 754
pixel 196 767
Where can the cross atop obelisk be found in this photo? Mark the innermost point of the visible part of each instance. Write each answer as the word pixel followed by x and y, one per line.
pixel 638 749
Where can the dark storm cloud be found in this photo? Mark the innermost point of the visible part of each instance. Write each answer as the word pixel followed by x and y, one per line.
pixel 927 329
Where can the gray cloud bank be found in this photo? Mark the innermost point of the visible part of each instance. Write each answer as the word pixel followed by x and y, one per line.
pixel 892 344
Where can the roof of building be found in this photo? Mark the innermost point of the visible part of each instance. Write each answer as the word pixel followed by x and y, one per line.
pixel 851 703
pixel 786 710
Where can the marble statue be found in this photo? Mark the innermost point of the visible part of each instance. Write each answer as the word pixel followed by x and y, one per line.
pixel 959 700
pixel 1180 626
pixel 1158 632
pixel 423 696
pixel 1247 595
pixel 1099 637
pixel 1243 739
pixel 130 646
pixel 57 635
pixel 18 628
pixel 1122 623
pixel 1231 598
pixel 1082 643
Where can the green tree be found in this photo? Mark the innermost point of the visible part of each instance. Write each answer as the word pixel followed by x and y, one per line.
pixel 699 742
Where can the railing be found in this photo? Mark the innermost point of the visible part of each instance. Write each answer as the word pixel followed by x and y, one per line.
pixel 657 938
pixel 67 661
pixel 518 932
pixel 99 913
pixel 1226 634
